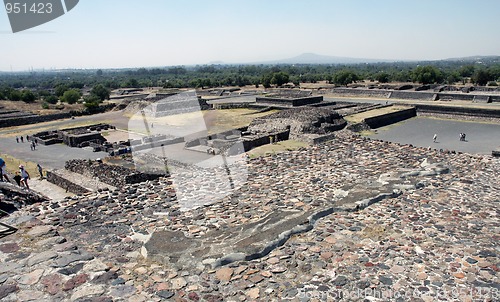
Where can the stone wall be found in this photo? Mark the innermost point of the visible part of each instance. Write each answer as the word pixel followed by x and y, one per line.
pixel 110 174
pixel 482 112
pixel 32 119
pixel 455 96
pixel 156 144
pixel 322 138
pixel 409 95
pixel 495 98
pixel 256 141
pixel 293 102
pixel 226 135
pixel 64 183
pixel 390 118
pixel 74 140
pixel 231 105
pixel 349 92
pixel 412 95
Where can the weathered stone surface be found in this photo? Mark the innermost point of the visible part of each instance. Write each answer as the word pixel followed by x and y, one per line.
pixel 41 230
pixel 105 277
pixel 75 282
pixel 433 235
pixel 7 289
pixel 122 291
pixel 224 274
pixel 9 247
pixel 165 294
pixel 63 261
pixel 53 283
pixel 30 295
pixel 86 291
pixel 31 278
pixel 95 265
pixel 9 267
pixel 178 283
pixel 41 257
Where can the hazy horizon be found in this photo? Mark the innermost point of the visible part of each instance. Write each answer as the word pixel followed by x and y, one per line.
pixel 124 34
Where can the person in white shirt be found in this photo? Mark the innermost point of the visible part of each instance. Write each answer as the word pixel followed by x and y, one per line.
pixel 24 176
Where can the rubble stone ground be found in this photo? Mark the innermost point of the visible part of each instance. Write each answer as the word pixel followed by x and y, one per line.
pixel 435 240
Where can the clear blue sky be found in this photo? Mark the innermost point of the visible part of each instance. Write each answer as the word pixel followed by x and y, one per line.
pixel 123 33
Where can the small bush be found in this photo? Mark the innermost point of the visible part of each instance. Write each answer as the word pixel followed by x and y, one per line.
pixel 45 105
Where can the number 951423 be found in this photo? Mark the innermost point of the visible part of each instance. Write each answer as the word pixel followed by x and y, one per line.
pixel 24 8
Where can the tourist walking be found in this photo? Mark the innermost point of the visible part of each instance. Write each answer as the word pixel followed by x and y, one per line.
pixel 17 139
pixel 24 176
pixel 33 145
pixel 22 139
pixel 40 170
pixel 435 137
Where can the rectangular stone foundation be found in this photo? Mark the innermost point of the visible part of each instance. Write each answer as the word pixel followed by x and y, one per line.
pixel 291 102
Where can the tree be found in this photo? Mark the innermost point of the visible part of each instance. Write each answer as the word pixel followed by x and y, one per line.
pixel 131 83
pixel 61 89
pixel 382 77
pixel 91 102
pixel 51 99
pixel 27 96
pixel 345 77
pixel 427 75
pixel 101 92
pixel 280 78
pixel 266 80
pixel 453 77
pixel 466 71
pixel 481 77
pixel 15 95
pixel 99 72
pixel 71 96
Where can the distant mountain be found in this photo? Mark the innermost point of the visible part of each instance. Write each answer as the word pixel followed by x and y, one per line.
pixel 312 58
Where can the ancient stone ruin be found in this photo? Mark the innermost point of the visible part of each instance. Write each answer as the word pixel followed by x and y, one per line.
pixel 300 122
pixel 175 104
pixel 289 98
pixel 74 137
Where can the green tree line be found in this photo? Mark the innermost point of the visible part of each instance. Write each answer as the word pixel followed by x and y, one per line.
pixel 66 86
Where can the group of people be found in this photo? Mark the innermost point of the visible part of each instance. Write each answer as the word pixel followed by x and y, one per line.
pixel 34 141
pixel 462 137
pixel 21 177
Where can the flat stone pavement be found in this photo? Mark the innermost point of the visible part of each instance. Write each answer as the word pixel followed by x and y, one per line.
pixel 437 240
pixel 481 137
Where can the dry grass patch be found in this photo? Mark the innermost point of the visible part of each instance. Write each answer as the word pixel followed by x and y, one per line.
pixel 287 145
pixel 13 166
pixel 215 120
